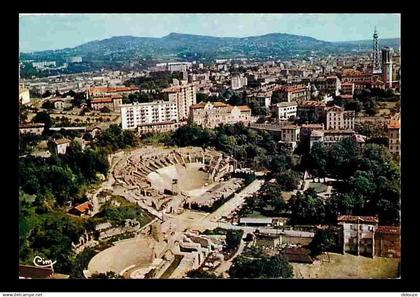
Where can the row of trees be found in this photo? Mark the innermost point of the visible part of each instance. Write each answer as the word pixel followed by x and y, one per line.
pixel 261 267
pixel 369 178
pixel 156 80
pixel 258 149
pixel 47 184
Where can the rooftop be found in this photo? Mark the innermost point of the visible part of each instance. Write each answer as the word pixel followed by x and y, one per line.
pixel 62 141
pixel 286 104
pixel 29 271
pixel 83 207
pixel 311 103
pixel 112 89
pixel 256 220
pixel 31 125
pixel 394 124
pixel 357 219
pixel 388 230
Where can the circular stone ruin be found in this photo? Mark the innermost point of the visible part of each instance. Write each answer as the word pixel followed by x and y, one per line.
pixel 186 179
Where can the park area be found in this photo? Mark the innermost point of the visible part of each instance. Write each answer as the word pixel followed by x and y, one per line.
pixel 318 187
pixel 347 266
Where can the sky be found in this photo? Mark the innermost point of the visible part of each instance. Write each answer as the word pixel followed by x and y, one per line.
pixel 56 31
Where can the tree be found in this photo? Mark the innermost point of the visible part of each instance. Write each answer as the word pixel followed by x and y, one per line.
pixel 48 105
pixel 325 240
pixel 46 94
pixel 353 105
pixel 316 161
pixel 370 106
pixel 236 100
pixel 201 274
pixel 201 97
pixel 191 134
pixel 105 109
pixel 265 267
pixel 107 275
pixel 276 97
pixel 233 239
pixel 307 208
pixel 343 158
pixel 288 180
pixel 81 262
pixel 43 117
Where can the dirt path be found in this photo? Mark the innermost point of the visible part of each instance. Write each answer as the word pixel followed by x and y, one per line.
pixel 348 266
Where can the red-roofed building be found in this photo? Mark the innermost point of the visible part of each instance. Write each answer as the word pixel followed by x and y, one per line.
pixel 111 102
pixel 82 209
pixel 106 91
pixel 339 119
pixel 347 88
pixel 313 110
pixel 293 93
pixel 361 80
pixel 59 146
pixel 394 135
pixel 388 242
pixel 35 128
pixel 358 234
pixel 35 272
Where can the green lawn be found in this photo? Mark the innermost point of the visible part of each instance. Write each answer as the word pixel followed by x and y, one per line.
pixel 319 187
pixel 255 214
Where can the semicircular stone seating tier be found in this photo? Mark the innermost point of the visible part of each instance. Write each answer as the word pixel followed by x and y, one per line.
pixel 141 168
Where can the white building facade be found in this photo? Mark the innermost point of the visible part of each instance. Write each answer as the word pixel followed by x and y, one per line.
pixel 183 96
pixel 136 114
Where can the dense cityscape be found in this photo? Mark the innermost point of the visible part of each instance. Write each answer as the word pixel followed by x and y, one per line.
pixel 187 156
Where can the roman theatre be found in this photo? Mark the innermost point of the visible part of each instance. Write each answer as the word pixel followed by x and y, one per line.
pixel 165 182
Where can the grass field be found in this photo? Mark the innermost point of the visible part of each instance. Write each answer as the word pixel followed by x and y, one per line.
pixel 319 187
pixel 347 266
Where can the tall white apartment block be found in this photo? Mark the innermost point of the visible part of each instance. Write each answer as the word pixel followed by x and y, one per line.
pixel 183 96
pixel 133 115
pixel 238 81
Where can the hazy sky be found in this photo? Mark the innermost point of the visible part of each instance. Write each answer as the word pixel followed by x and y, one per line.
pixel 54 31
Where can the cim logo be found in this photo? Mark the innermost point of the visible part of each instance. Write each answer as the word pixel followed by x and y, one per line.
pixel 40 262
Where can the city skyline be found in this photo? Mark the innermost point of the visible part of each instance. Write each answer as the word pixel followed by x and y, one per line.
pixel 39 32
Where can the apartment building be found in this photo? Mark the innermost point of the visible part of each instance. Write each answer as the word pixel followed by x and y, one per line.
pixel 290 135
pixel 359 79
pixel 108 91
pixel 293 93
pixel 347 88
pixel 184 96
pixel 358 235
pixel 339 119
pixel 24 97
pixel 313 110
pixel 113 102
pixel 394 144
pixel 160 127
pixel 238 82
pixel 283 111
pixel 212 114
pixel 137 114
pixel 328 85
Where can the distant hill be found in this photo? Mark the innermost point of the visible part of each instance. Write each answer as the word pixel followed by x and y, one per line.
pixel 277 44
pixel 119 51
pixel 367 44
